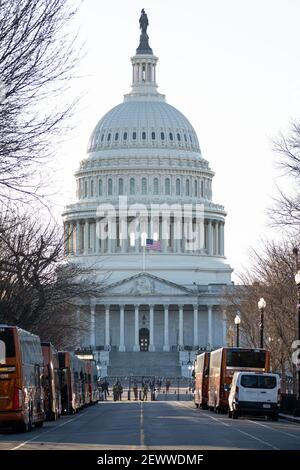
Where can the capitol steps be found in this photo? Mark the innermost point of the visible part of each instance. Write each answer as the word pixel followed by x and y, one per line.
pixel 153 364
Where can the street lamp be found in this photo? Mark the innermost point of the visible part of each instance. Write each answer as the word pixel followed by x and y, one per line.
pixel 190 366
pixel 297 281
pixel 237 322
pixel 261 306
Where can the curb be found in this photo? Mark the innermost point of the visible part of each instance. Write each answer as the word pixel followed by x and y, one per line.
pixel 289 418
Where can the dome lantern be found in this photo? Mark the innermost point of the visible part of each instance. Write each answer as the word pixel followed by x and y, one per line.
pixel 144 68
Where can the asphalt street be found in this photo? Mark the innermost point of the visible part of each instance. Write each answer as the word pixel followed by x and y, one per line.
pixel 154 425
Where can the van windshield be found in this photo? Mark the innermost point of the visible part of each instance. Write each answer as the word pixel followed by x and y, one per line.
pixel 258 381
pixel 7 345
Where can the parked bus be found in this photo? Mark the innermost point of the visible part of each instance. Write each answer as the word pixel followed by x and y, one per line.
pixel 223 363
pixel 201 372
pixel 67 383
pixel 51 382
pixel 21 368
pixel 92 380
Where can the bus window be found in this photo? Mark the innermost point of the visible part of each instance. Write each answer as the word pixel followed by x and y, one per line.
pixel 246 358
pixel 7 344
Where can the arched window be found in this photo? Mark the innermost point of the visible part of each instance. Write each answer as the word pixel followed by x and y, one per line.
pixel 155 186
pixel 144 186
pixel 196 188
pixel 117 136
pixel 132 186
pixel 178 137
pixel 202 188
pixel 178 187
pixel 191 139
pixel 171 136
pixel 167 186
pixel 153 135
pixel 100 189
pixel 92 188
pixel 121 186
pixel 134 136
pixel 187 187
pixel 109 187
pixel 108 137
pixel 125 136
pixel 162 136
pixel 185 137
pixel 102 137
pixel 144 135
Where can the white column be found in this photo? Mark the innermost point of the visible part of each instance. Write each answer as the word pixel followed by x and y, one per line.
pixel 122 337
pixel 222 252
pixel 137 242
pixel 209 312
pixel 78 246
pixel 195 338
pixel 93 324
pixel 97 233
pixel 165 231
pixel 151 339
pixel 86 237
pixel 72 237
pixel 209 238
pixel 216 238
pixel 180 317
pixel 124 235
pixel 93 235
pixel 107 338
pixel 224 329
pixel 166 346
pixel 136 346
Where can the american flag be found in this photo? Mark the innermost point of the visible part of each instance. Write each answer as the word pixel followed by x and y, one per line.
pixel 153 244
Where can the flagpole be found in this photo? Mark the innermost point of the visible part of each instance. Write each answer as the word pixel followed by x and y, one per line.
pixel 144 258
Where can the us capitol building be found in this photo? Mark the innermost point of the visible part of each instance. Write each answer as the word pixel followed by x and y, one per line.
pixel 162 300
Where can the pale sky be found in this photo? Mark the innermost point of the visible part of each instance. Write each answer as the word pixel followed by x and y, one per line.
pixel 231 66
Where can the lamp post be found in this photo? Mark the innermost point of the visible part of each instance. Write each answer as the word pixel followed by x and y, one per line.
pixel 261 306
pixel 297 281
pixel 190 366
pixel 237 322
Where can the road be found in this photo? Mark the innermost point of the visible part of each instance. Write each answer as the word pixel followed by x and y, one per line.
pixel 155 425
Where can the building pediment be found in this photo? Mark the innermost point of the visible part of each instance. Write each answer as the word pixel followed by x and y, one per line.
pixel 146 284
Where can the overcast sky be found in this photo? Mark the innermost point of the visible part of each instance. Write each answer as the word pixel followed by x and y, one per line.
pixel 231 66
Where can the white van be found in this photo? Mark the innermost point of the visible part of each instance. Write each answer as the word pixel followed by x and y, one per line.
pixel 254 393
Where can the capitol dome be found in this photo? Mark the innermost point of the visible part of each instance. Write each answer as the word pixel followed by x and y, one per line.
pixel 138 123
pixel 144 220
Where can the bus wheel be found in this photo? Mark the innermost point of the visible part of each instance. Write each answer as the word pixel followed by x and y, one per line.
pixel 234 414
pixel 197 405
pixel 229 413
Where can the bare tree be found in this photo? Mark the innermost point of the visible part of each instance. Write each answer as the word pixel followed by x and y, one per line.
pixel 286 212
pixel 37 61
pixel 39 289
pixel 271 276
